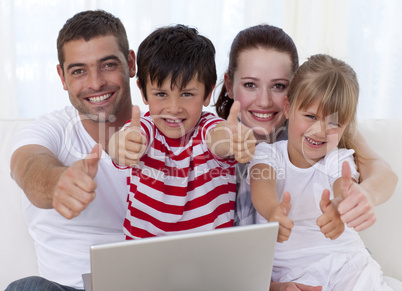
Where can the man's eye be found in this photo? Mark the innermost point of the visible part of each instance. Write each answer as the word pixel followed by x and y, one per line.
pixel 110 65
pixel 77 72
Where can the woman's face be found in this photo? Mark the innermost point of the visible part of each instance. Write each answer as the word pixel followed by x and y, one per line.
pixel 261 83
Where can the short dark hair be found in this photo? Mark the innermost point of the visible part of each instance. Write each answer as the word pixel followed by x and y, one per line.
pixel 91 24
pixel 179 52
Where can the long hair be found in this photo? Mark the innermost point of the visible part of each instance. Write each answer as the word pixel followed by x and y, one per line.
pixel 334 83
pixel 264 36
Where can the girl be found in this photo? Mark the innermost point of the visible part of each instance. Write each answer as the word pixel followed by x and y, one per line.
pixel 262 62
pixel 321 108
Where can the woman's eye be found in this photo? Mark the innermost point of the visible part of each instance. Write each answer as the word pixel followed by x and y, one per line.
pixel 249 85
pixel 280 86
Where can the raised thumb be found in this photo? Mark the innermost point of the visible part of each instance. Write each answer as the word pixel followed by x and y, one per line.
pixel 135 116
pixel 92 160
pixel 286 203
pixel 325 201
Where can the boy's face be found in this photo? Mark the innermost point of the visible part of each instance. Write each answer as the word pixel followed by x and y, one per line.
pixel 176 112
pixel 311 136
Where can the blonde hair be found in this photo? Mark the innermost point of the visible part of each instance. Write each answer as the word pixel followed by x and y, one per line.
pixel 332 82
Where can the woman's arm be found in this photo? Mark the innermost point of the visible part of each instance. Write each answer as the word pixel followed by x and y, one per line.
pixel 377 184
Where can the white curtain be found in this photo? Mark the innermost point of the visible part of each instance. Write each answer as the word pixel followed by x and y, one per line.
pixel 364 33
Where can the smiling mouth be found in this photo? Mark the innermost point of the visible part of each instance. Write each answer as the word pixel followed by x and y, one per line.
pixel 99 98
pixel 314 142
pixel 173 121
pixel 262 115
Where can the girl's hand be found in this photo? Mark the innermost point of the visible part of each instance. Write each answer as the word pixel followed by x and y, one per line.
pixel 280 214
pixel 330 222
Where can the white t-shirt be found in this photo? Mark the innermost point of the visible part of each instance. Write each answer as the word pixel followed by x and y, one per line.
pixel 306 244
pixel 62 245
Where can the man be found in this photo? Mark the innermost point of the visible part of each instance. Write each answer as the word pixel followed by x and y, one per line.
pixel 59 162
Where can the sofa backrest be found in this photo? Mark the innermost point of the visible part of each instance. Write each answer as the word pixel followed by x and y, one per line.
pixel 384 238
pixel 17 254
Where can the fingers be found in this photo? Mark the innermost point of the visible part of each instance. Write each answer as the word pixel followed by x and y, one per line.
pixel 233 114
pixel 286 203
pixel 346 181
pixel 135 116
pixel 325 201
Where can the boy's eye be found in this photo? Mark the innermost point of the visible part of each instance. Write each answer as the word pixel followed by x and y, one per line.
pixel 187 94
pixel 161 94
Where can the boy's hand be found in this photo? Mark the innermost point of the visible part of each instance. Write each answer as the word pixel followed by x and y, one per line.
pixel 356 209
pixel 76 187
pixel 330 222
pixel 131 144
pixel 280 214
pixel 243 140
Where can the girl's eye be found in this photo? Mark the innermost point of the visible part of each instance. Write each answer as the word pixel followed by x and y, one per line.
pixel 311 117
pixel 333 125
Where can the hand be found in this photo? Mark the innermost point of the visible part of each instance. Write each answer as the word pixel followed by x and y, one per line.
pixel 130 145
pixel 356 210
pixel 280 214
pixel 76 187
pixel 330 222
pixel 243 137
pixel 292 286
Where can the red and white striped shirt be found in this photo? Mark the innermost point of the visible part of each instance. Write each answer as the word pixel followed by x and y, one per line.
pixel 179 186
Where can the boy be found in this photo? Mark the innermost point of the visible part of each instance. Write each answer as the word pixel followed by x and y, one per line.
pixel 183 174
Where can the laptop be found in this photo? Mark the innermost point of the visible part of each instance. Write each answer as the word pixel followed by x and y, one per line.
pixel 236 258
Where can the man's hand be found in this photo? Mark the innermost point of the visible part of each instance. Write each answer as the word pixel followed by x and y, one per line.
pixel 330 222
pixel 76 187
pixel 356 210
pixel 243 140
pixel 127 147
pixel 280 214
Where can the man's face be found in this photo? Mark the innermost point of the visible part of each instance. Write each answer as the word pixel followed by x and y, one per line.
pixel 97 78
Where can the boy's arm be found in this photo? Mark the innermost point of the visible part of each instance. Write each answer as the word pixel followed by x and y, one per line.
pixel 231 138
pixel 378 182
pixel 265 199
pixel 47 183
pixel 127 146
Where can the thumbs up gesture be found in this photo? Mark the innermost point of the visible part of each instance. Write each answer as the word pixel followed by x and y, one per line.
pixel 330 222
pixel 242 138
pixel 127 147
pixel 280 214
pixel 76 186
pixel 356 209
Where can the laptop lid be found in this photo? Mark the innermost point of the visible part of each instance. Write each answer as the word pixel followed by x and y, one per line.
pixel 237 258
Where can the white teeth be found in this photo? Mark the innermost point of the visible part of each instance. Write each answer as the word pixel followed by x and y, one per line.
pixel 262 115
pixel 173 121
pixel 313 142
pixel 99 98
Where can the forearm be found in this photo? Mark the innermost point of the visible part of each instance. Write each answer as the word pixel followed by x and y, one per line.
pixel 37 172
pixel 378 179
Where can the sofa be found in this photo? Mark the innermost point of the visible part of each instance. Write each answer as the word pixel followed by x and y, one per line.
pixel 383 239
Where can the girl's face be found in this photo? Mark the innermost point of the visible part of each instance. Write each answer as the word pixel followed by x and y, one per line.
pixel 311 135
pixel 261 83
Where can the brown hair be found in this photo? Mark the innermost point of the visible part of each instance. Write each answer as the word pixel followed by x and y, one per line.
pixel 91 24
pixel 332 82
pixel 179 52
pixel 264 36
